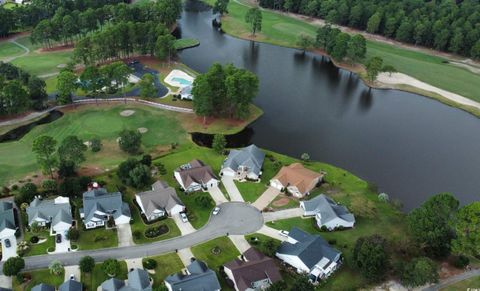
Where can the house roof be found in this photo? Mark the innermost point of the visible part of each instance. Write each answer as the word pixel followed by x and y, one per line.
pixel 112 284
pixel 43 287
pixel 310 249
pixel 299 176
pixel 328 209
pixel 255 267
pixel 71 285
pixel 57 210
pixel 160 197
pixel 1 288
pixel 199 278
pixel 7 219
pixel 100 200
pixel 251 157
pixel 195 172
pixel 138 279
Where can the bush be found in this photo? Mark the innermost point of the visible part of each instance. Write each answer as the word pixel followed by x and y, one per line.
pixel 111 267
pixel 149 264
pixel 14 187
pixel 49 186
pixel 146 160
pixel 130 141
pixel 332 241
pixel 96 145
pixel 460 261
pixel 137 234
pixel 73 234
pixel 156 231
pixel 34 239
pixel 418 272
pixel 20 278
pixel 13 266
pixel 87 264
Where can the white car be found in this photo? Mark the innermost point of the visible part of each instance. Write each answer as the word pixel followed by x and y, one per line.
pixel 184 217
pixel 283 233
pixel 216 210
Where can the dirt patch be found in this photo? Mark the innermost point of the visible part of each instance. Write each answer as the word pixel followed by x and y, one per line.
pixel 126 113
pixel 281 202
pixel 56 48
pixel 90 171
pixel 142 129
pixel 447 270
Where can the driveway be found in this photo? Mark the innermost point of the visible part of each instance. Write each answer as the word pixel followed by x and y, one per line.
pixel 232 189
pixel 11 251
pixel 236 219
pixel 134 263
pixel 72 270
pixel 217 195
pixel 124 233
pixel 5 282
pixel 240 242
pixel 63 246
pixel 271 232
pixel 185 227
pixel 282 214
pixel 185 255
pixel 266 198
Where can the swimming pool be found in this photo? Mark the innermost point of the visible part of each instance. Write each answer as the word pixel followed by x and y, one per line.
pixel 182 81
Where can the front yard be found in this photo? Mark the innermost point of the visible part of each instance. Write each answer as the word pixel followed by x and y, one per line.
pixel 37 277
pixel 97 238
pixel 46 242
pixel 166 265
pixel 94 279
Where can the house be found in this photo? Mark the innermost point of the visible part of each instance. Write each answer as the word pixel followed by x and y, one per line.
pixel 195 176
pixel 99 206
pixel 43 287
pixel 138 280
pixel 160 201
pixel 186 93
pixel 54 212
pixel 253 271
pixel 309 254
pixel 198 277
pixel 71 285
pixel 328 213
pixel 296 179
pixel 244 163
pixel 8 226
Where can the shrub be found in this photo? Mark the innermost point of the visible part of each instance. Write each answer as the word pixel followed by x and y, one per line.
pixel 149 264
pixel 137 234
pixel 96 145
pixel 146 160
pixel 111 267
pixel 15 187
pixel 219 143
pixel 460 261
pixel 73 234
pixel 87 264
pixel 332 241
pixel 13 266
pixel 156 231
pixel 49 186
pixel 34 239
pixel 20 278
pixel 418 272
pixel 130 141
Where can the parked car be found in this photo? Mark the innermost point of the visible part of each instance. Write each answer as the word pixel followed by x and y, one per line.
pixel 72 277
pixel 216 210
pixel 58 238
pixel 283 233
pixel 7 243
pixel 184 217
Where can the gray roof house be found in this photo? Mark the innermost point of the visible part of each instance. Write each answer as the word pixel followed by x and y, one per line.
pixel 7 220
pixel 71 285
pixel 138 280
pixel 99 206
pixel 43 287
pixel 56 211
pixel 309 254
pixel 328 213
pixel 245 163
pixel 160 201
pixel 198 278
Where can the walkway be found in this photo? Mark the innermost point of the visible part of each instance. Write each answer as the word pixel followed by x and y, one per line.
pixel 240 243
pixel 232 189
pixel 454 279
pixel 266 198
pixel 271 232
pixel 26 51
pixel 282 214
pixel 185 256
pixel 217 195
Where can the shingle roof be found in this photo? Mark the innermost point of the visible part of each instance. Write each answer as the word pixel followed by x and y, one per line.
pixel 195 172
pixel 112 284
pixel 299 176
pixel 138 279
pixel 58 210
pixel 251 157
pixel 160 197
pixel 7 219
pixel 200 278
pixel 43 287
pixel 310 249
pixel 101 200
pixel 328 209
pixel 71 285
pixel 256 267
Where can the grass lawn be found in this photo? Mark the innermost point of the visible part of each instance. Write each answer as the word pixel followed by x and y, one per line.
pixel 94 279
pixel 8 49
pixel 41 248
pixel 39 276
pixel 283 30
pixel 140 226
pixel 43 63
pixel 185 43
pixel 97 238
pixel 166 265
pixel 228 252
pixel 472 284
pixel 259 241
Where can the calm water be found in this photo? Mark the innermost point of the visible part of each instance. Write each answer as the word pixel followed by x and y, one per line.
pixel 408 145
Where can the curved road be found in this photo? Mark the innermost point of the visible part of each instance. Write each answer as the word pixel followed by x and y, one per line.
pixel 235 218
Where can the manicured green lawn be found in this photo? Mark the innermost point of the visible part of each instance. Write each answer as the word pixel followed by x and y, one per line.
pixel 97 238
pixel 8 49
pixel 39 276
pixel 184 43
pixel 472 283
pixel 94 279
pixel 197 214
pixel 43 63
pixel 166 265
pixel 259 241
pixel 140 226
pixel 41 248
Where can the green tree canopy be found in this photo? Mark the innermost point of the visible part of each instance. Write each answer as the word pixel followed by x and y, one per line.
pixel 254 19
pixel 467 230
pixel 66 85
pixel 371 258
pixel 419 271
pixel 147 86
pixel 87 264
pixel 130 141
pixel 374 67
pixel 219 143
pixel 44 148
pixel 72 149
pixel 13 266
pixel 220 6
pixel 111 267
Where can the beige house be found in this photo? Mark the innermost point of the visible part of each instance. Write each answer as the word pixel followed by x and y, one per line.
pixel 296 179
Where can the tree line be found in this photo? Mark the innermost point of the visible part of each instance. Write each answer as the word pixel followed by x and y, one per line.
pixel 68 26
pixel 19 91
pixel 444 25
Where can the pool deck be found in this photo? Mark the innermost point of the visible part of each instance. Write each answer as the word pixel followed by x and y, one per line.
pixel 177 74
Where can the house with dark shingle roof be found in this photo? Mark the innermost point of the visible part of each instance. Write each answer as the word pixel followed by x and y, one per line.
pixel 296 179
pixel 7 220
pixel 198 277
pixel 43 287
pixel 195 176
pixel 252 271
pixel 71 285
pixel 245 163
pixel 99 206
pixel 309 254
pixel 328 213
pixel 56 212
pixel 138 280
pixel 160 201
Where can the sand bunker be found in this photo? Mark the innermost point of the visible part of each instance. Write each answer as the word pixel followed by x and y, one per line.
pixel 142 129
pixel 127 113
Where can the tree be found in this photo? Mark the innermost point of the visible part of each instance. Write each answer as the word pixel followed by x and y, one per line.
pixel 371 258
pixel 467 230
pixel 357 48
pixel 13 266
pixel 111 267
pixel 44 148
pixel 130 141
pixel 219 143
pixel 202 101
pixel 430 224
pixel 14 97
pixel 29 190
pixel 305 42
pixel 72 149
pixel 301 283
pixel 66 85
pixel 95 145
pixel 37 92
pixel 305 157
pixel 92 81
pixel 389 69
pixel 374 22
pixel 220 6
pixel 55 267
pixel 139 176
pixel 418 272
pixel 73 234
pixel 35 227
pixel 374 66
pixel 341 46
pixel 165 47
pixel 66 168
pixel 254 19
pixel 87 264
pixel 49 186
pixel 147 86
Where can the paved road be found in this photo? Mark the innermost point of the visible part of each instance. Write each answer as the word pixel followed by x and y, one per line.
pixel 236 218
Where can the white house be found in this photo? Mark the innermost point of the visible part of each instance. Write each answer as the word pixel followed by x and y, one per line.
pixel 162 200
pixel 186 93
pixel 244 163
pixel 195 176
pixel 99 206
pixel 328 213
pixel 54 212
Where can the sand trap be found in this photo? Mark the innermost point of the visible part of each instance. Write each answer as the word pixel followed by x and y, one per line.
pixel 127 113
pixel 142 129
pixel 61 66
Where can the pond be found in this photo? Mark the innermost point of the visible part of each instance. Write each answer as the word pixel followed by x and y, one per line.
pixel 19 132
